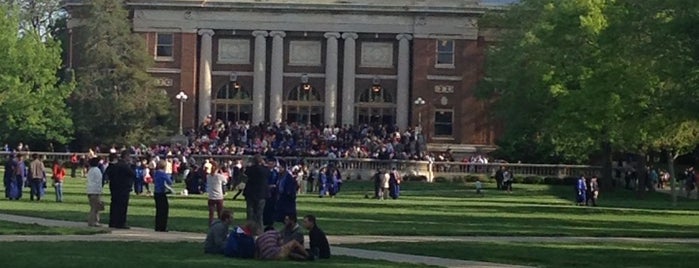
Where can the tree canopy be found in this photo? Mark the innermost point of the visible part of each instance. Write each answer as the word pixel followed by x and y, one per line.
pixel 115 101
pixel 570 77
pixel 32 100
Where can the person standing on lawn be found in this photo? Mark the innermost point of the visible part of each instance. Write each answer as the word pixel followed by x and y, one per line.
pixel 58 176
pixel 120 176
pixel 215 182
pixel 36 170
pixel 286 204
pixel 12 190
pixel 162 208
pixel 94 193
pixel 256 189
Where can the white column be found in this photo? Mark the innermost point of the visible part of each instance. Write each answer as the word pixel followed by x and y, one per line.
pixel 403 87
pixel 259 79
pixel 349 70
pixel 331 59
pixel 205 73
pixel 277 75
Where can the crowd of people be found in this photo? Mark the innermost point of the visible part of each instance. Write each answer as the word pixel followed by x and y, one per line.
pixel 269 186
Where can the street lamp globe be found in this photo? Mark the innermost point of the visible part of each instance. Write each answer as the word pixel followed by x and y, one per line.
pixel 419 101
pixel 182 96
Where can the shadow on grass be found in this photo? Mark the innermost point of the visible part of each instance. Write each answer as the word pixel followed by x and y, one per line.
pixel 554 254
pixel 127 254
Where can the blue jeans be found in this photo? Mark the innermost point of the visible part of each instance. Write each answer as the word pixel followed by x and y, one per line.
pixel 35 186
pixel 59 191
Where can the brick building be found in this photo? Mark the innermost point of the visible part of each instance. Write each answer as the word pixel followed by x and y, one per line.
pixel 322 61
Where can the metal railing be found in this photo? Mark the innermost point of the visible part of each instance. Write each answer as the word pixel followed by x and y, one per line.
pixel 361 168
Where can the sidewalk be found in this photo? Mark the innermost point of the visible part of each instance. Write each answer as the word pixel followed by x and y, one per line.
pixel 147 235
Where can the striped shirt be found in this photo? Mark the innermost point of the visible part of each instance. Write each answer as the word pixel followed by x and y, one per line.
pixel 268 247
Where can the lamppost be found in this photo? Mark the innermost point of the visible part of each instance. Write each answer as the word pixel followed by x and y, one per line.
pixel 182 97
pixel 419 102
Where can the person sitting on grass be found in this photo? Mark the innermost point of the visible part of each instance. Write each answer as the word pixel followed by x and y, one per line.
pixel 291 231
pixel 241 241
pixel 320 248
pixel 269 247
pixel 216 238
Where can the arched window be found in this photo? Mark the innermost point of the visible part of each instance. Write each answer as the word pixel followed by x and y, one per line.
pixel 233 102
pixel 375 105
pixel 304 105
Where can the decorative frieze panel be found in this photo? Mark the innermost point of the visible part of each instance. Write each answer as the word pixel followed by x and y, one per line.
pixel 377 55
pixel 305 53
pixel 163 82
pixel 234 51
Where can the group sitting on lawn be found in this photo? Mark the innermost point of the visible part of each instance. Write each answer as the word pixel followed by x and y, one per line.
pixel 246 242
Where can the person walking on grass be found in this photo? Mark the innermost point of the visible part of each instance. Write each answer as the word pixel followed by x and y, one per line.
pixel 162 208
pixel 94 193
pixel 581 189
pixel 215 182
pixel 58 176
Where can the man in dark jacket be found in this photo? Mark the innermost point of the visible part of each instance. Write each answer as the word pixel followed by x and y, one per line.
pixel 121 177
pixel 320 248
pixel 256 189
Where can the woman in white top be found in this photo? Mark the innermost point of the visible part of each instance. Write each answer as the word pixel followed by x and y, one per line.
pixel 94 192
pixel 214 186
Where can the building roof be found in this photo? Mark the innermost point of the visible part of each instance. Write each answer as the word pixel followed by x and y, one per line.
pixel 407 6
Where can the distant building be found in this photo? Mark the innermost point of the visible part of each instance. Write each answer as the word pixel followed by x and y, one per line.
pixel 321 61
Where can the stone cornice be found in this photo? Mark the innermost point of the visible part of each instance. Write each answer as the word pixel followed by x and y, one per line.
pixel 446 7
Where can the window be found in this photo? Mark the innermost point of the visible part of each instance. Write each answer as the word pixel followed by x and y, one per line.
pixel 443 123
pixel 164 46
pixel 445 54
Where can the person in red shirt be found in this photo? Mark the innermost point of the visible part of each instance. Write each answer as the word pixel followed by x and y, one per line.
pixel 59 174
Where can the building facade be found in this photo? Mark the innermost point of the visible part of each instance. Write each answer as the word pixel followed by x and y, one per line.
pixel 412 63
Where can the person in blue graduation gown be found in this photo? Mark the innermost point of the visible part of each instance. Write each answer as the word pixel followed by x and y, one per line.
pixel 10 178
pixel 581 188
pixel 272 195
pixel 334 180
pixel 323 185
pixel 394 184
pixel 288 187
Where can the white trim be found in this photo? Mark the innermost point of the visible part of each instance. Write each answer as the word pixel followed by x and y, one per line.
pixel 310 75
pixel 164 70
pixel 444 77
pixel 380 76
pixel 450 37
pixel 228 73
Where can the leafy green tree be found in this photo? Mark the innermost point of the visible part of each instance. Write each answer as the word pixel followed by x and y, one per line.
pixel 115 101
pixel 36 15
pixel 32 100
pixel 598 76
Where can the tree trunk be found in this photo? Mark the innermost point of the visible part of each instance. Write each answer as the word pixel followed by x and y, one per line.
pixel 605 180
pixel 642 172
pixel 671 168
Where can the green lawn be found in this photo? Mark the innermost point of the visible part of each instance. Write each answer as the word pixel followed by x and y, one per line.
pixel 132 254
pixel 424 209
pixel 554 254
pixel 11 228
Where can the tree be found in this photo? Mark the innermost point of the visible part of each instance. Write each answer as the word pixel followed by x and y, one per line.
pixel 32 100
pixel 36 15
pixel 115 101
pixel 605 75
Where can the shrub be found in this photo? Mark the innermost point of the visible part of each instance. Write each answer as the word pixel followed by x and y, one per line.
pixel 440 179
pixel 553 181
pixel 570 180
pixel 415 178
pixel 533 180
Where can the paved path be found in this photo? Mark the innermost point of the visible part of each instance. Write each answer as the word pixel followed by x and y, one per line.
pixel 147 235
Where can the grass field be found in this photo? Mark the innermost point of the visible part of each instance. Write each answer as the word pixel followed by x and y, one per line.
pixel 11 228
pixel 131 254
pixel 554 254
pixel 424 209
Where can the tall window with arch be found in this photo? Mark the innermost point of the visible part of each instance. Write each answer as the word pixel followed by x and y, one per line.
pixel 304 104
pixel 376 105
pixel 233 102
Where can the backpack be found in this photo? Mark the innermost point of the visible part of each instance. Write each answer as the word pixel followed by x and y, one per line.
pixel 239 245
